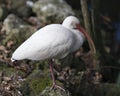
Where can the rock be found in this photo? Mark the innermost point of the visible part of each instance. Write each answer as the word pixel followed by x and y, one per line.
pixel 16 29
pixel 7 79
pixel 20 8
pixel 52 10
pixel 48 92
pixel 24 11
pixel 16 4
pixel 12 22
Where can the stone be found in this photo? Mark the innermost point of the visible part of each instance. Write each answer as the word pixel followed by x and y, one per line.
pixel 49 11
pixel 20 8
pixel 57 92
pixel 16 29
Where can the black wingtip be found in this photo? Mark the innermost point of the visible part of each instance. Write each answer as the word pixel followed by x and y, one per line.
pixel 13 60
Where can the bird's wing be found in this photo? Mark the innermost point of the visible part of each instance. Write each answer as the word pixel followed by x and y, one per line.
pixel 52 41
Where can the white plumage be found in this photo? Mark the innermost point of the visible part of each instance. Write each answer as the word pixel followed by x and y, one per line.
pixel 51 41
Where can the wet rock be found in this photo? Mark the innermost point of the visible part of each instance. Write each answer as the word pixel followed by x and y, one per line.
pixel 52 10
pixel 48 92
pixel 16 29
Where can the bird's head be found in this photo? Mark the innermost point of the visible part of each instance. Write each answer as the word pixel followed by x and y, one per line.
pixel 71 22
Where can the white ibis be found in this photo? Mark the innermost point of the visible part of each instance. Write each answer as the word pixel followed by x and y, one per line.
pixel 54 41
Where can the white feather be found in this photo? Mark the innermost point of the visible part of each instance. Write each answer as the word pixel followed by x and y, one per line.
pixel 52 41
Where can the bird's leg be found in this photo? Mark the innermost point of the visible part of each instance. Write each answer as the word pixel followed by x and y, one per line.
pixel 54 86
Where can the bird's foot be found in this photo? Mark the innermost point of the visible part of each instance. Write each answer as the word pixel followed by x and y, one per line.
pixel 55 86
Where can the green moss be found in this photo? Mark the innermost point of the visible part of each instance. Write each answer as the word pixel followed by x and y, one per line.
pixel 38 84
pixel 25 89
pixel 8 71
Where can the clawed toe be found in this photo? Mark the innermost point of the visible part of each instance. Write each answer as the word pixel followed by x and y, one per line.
pixel 55 86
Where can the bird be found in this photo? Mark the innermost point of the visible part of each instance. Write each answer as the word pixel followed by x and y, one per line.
pixel 54 41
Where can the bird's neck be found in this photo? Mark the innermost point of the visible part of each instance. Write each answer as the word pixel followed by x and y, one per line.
pixel 79 35
pixel 79 39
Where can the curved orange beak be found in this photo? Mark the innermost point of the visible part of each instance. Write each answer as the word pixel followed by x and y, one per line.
pixel 88 37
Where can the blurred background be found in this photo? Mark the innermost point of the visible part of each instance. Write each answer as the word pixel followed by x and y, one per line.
pixel 82 74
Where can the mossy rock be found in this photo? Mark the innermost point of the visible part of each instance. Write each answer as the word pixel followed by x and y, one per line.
pixel 57 92
pixel 25 89
pixel 16 30
pixel 52 10
pixel 39 84
pixel 37 81
pixel 20 8
pixel 8 71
